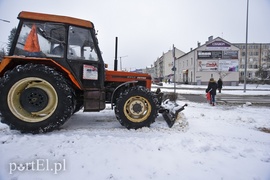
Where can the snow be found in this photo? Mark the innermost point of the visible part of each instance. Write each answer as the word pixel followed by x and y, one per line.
pixel 251 89
pixel 220 142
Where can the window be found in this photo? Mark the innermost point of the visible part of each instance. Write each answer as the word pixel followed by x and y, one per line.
pixel 80 44
pixel 41 39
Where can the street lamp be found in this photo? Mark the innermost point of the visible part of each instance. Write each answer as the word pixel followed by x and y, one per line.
pixel 245 74
pixel 121 61
pixel 5 20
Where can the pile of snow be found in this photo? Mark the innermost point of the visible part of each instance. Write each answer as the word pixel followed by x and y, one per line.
pixel 221 142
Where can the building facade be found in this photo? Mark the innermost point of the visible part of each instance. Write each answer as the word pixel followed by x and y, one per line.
pixel 164 64
pixel 258 56
pixel 217 58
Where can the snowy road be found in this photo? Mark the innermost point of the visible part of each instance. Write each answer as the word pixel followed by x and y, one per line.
pixel 221 142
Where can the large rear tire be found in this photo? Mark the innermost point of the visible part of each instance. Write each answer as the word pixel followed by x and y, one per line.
pixel 137 107
pixel 35 98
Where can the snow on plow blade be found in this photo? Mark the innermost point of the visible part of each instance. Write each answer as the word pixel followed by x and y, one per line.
pixel 170 111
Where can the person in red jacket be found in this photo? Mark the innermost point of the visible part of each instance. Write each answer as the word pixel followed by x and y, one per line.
pixel 212 88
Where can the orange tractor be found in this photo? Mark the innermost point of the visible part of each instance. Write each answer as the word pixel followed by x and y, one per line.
pixel 55 68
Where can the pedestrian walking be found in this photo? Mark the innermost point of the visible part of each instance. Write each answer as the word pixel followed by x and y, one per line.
pixel 219 85
pixel 212 88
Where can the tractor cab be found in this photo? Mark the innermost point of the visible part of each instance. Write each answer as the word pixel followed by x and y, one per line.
pixel 69 42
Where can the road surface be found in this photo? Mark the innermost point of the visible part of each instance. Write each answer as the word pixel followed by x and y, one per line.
pixel 228 99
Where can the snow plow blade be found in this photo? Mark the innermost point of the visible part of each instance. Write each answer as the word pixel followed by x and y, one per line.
pixel 170 111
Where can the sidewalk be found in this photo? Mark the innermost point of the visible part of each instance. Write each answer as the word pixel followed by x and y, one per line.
pixel 251 89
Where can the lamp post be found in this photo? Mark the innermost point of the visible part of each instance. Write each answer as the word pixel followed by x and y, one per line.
pixel 121 61
pixel 5 20
pixel 245 74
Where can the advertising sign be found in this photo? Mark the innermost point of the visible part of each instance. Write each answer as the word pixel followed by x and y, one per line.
pixel 207 65
pixel 90 72
pixel 228 65
pixel 204 54
pixel 218 45
pixel 230 54
pixel 213 54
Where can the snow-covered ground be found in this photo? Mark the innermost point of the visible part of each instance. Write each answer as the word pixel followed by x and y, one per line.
pixel 221 142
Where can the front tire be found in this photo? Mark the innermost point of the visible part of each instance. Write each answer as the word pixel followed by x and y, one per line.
pixel 35 98
pixel 137 107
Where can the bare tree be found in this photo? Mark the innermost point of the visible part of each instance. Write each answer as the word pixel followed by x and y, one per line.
pixel 2 54
pixel 223 74
pixel 263 70
pixel 10 38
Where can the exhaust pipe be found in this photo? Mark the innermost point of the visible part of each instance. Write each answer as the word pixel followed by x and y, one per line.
pixel 115 59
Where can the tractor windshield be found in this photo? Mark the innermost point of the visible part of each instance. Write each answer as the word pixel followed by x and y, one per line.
pixel 41 40
pixel 81 44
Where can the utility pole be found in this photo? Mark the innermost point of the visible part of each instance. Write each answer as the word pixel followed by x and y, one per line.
pixel 245 74
pixel 174 68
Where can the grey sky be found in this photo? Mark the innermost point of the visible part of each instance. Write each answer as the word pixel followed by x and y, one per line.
pixel 147 28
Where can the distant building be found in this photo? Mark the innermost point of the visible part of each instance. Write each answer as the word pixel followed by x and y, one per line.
pixel 258 56
pixel 217 58
pixel 138 70
pixel 164 64
pixel 150 70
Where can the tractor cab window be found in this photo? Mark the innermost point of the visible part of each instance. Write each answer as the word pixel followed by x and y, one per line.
pixel 41 40
pixel 80 44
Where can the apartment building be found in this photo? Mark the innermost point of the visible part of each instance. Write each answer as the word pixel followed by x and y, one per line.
pixel 217 58
pixel 258 56
pixel 164 64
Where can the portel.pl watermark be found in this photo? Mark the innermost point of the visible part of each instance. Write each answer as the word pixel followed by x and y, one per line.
pixel 38 165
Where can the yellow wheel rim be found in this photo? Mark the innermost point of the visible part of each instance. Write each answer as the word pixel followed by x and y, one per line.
pixel 14 97
pixel 137 109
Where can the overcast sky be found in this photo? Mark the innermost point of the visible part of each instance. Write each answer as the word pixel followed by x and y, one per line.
pixel 147 28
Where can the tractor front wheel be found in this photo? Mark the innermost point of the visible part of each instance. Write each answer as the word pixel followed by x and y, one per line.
pixel 137 107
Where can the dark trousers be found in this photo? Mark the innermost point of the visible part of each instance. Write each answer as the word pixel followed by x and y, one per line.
pixel 213 99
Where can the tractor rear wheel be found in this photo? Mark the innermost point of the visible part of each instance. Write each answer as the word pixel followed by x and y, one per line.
pixel 137 107
pixel 35 98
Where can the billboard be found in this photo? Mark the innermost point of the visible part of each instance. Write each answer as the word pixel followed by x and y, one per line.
pixel 228 54
pixel 207 65
pixel 217 65
pixel 218 45
pixel 228 65
pixel 209 54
